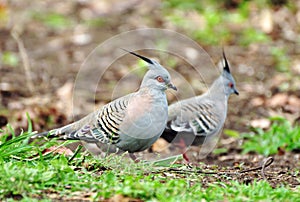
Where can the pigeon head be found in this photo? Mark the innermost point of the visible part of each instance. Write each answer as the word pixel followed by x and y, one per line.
pixel 228 80
pixel 157 76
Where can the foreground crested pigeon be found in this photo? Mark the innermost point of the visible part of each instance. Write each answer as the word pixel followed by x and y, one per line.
pixel 201 117
pixel 131 123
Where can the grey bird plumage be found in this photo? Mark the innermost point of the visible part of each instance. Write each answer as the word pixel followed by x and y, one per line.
pixel 201 117
pixel 131 123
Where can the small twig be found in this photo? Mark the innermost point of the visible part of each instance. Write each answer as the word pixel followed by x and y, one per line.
pixel 75 153
pixel 25 60
pixel 190 171
pixel 266 163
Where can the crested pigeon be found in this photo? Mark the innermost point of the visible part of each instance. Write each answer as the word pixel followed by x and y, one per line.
pixel 130 123
pixel 193 120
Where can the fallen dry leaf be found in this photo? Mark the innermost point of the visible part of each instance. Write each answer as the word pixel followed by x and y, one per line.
pixel 260 123
pixel 266 21
pixel 294 101
pixel 277 100
pixel 293 105
pixel 121 198
pixel 160 145
pixel 280 151
pixel 58 150
pixel 257 101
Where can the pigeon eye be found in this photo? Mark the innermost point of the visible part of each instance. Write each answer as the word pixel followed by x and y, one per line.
pixel 160 79
pixel 230 85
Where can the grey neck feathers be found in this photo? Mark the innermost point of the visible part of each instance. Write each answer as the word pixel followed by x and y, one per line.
pixel 217 90
pixel 144 84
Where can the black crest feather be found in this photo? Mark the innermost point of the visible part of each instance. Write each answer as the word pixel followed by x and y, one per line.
pixel 139 56
pixel 226 66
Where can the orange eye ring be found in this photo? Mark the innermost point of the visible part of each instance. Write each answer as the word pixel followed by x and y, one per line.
pixel 230 85
pixel 160 79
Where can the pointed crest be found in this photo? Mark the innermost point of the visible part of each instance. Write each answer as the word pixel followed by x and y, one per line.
pixel 226 66
pixel 139 56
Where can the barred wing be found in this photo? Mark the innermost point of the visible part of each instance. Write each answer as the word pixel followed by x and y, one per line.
pixel 196 117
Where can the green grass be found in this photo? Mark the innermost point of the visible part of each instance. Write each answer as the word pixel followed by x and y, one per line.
pixel 28 174
pixel 214 21
pixel 281 134
pixel 281 59
pixel 55 21
pixel 9 58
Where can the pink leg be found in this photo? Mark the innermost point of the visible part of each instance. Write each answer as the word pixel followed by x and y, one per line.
pixel 182 146
pixel 134 158
pixel 186 157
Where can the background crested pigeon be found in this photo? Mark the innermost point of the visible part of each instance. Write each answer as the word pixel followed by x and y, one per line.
pixel 131 123
pixel 193 120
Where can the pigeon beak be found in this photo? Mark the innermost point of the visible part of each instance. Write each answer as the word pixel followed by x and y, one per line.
pixel 170 85
pixel 236 92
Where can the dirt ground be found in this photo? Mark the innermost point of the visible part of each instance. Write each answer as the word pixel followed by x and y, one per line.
pixel 50 57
